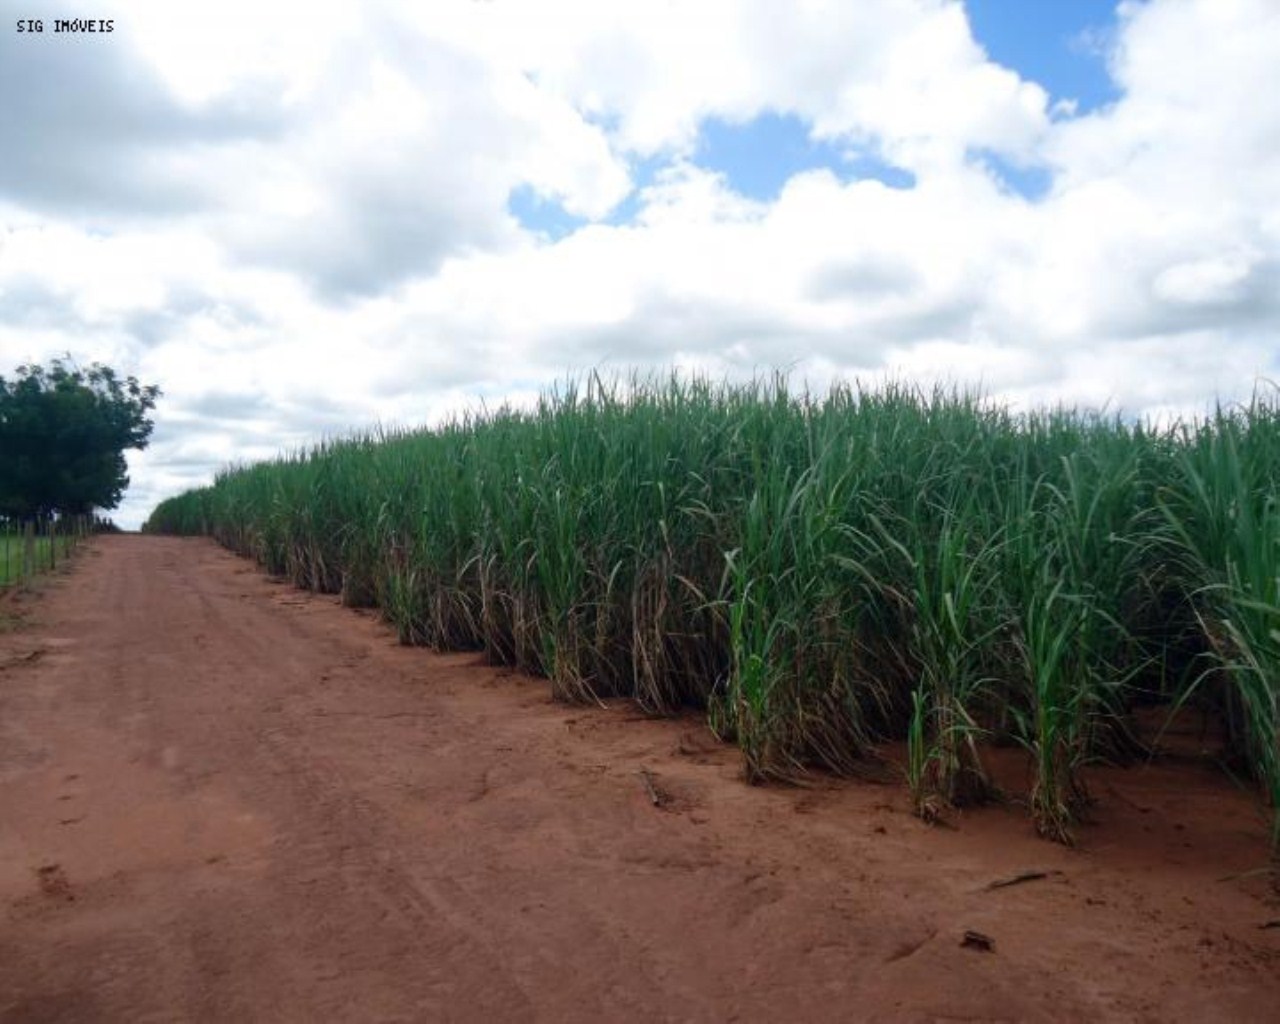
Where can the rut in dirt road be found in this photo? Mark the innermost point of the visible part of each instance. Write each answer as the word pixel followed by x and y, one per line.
pixel 221 799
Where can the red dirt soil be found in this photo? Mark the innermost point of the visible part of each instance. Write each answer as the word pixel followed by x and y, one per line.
pixel 222 799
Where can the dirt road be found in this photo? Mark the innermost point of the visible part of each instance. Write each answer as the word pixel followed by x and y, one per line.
pixel 221 799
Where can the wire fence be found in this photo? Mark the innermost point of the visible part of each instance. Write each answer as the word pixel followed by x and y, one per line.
pixel 30 547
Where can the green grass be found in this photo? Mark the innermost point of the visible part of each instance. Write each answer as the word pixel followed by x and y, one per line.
pixel 11 555
pixel 10 559
pixel 821 573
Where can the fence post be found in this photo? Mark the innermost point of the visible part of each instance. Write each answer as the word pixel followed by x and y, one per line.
pixel 28 550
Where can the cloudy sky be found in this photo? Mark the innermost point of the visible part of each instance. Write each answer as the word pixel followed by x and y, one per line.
pixel 299 219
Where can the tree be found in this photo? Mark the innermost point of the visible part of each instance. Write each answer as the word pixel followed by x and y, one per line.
pixel 63 434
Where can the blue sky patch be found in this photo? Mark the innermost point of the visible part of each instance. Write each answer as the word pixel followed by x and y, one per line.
pixel 1056 43
pixel 542 215
pixel 865 166
pixel 643 172
pixel 1031 183
pixel 758 157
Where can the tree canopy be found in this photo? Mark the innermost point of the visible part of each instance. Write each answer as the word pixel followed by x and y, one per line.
pixel 63 434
